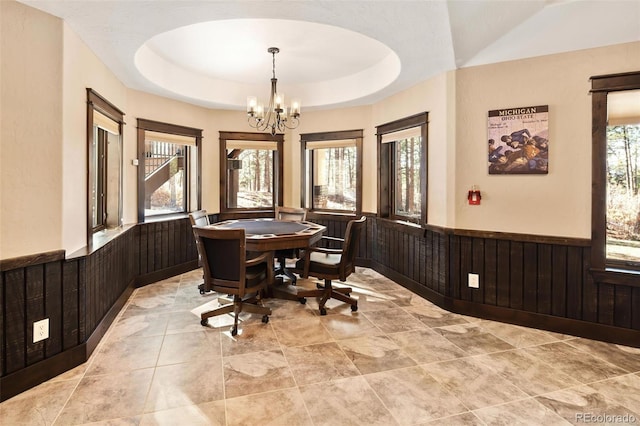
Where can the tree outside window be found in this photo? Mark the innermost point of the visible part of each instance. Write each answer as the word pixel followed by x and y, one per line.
pixel 250 172
pixel 402 163
pixel 408 200
pixel 623 184
pixel 615 204
pixel 332 171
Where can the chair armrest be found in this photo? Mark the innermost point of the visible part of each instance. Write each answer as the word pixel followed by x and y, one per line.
pixel 324 250
pixel 266 257
pixel 336 239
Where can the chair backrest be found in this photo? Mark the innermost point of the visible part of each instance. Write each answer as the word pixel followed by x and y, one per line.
pixel 223 258
pixel 199 218
pixel 350 246
pixel 290 213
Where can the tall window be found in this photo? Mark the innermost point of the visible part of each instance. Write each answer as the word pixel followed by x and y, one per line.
pixel 623 177
pixel 402 147
pixel 616 174
pixel 251 171
pixel 406 170
pixel 168 169
pixel 104 141
pixel 332 171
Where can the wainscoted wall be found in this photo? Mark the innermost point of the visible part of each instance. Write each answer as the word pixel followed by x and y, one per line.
pixel 541 282
pixel 412 256
pixel 81 295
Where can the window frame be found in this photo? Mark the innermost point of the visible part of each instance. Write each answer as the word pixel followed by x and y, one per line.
pixel 307 183
pixel 278 173
pixel 95 102
pixel 386 167
pixel 145 125
pixel 603 269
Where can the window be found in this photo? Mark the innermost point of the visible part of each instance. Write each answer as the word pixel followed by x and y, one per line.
pixel 250 171
pixel 168 169
pixel 623 177
pixel 332 171
pixel 402 148
pixel 104 142
pixel 616 173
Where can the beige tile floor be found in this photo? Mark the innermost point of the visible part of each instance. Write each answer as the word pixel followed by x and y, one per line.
pixel 398 360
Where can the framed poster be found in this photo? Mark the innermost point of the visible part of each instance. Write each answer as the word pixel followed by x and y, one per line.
pixel 519 140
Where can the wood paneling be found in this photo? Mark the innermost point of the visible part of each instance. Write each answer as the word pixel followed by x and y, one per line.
pixel 76 295
pixel 548 276
pixel 416 253
pixel 529 280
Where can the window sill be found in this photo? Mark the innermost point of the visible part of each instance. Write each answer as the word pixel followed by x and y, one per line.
pixel 164 217
pixel 327 214
pixel 617 276
pixel 99 240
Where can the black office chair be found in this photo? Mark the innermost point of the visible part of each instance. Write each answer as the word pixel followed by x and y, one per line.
pixel 330 264
pixel 199 218
pixel 288 213
pixel 227 270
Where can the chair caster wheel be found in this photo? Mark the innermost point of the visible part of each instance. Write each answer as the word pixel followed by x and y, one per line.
pixel 234 331
pixel 323 311
pixel 354 308
pixel 265 319
pixel 302 301
pixel 204 322
pixel 201 288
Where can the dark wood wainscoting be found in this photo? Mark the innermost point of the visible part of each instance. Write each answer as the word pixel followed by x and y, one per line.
pixel 417 254
pixel 535 281
pixel 540 275
pixel 541 282
pixel 165 249
pixel 81 295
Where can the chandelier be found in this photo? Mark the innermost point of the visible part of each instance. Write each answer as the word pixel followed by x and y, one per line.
pixel 275 117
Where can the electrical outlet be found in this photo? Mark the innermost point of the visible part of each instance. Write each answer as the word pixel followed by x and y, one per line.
pixel 40 330
pixel 474 280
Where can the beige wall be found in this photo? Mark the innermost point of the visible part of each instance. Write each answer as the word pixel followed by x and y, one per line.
pixel 46 70
pixel 30 131
pixel 82 70
pixel 557 204
pixel 435 97
pixel 151 107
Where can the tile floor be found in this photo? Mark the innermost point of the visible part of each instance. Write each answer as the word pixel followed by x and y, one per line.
pixel 398 360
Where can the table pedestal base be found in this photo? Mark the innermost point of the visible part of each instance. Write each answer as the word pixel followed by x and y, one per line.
pixel 282 290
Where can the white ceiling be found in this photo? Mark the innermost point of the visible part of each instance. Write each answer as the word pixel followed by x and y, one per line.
pixel 332 53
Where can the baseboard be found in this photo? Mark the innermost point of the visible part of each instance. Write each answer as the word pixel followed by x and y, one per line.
pixel 107 320
pixel 573 327
pixel 26 378
pixel 33 375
